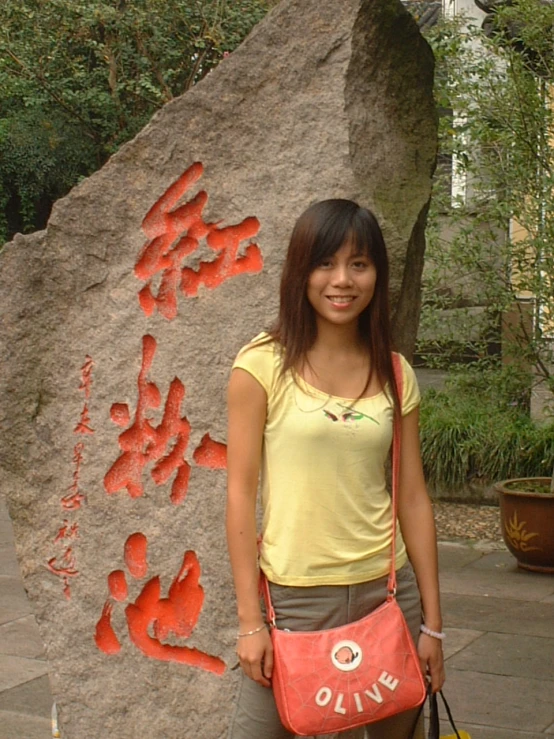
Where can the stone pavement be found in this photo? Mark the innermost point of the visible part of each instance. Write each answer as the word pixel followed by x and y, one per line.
pixel 500 646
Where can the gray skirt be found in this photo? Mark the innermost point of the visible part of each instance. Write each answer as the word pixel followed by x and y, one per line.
pixel 324 607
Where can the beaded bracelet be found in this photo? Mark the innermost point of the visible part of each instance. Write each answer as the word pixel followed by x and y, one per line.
pixel 435 634
pixel 254 631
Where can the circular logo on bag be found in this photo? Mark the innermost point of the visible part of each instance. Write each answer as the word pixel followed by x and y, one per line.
pixel 346 656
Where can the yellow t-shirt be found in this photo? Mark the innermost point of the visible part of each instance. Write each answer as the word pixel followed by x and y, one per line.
pixel 327 515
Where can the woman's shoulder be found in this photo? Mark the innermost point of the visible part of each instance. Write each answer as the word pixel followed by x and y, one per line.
pixel 410 390
pixel 263 343
pixel 404 364
pixel 261 357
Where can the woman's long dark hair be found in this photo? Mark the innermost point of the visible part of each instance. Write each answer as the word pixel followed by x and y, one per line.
pixel 319 232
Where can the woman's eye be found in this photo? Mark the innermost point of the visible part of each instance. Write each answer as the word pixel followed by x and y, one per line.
pixel 360 264
pixel 325 264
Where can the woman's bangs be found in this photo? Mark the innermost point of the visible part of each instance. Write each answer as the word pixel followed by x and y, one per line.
pixel 365 235
pixel 361 242
pixel 337 222
pixel 328 242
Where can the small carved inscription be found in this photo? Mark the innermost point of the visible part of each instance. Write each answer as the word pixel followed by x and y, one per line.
pixel 63 563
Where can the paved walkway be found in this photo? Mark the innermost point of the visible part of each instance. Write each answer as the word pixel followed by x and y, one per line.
pixel 500 647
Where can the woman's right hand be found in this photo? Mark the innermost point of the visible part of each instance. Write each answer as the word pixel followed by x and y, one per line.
pixel 255 653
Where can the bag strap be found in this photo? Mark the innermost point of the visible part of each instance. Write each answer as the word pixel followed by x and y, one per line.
pixel 391 584
pixel 263 589
pixel 397 432
pixel 449 714
pixel 434 722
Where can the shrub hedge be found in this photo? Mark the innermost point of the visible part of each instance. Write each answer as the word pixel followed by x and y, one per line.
pixel 478 428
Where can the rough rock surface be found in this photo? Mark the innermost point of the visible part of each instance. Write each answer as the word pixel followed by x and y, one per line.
pixel 326 98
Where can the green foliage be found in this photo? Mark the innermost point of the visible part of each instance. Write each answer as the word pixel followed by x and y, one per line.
pixel 478 428
pixel 497 99
pixel 78 79
pixel 38 163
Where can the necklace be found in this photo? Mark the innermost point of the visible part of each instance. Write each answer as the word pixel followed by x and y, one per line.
pixel 348 407
pixel 295 387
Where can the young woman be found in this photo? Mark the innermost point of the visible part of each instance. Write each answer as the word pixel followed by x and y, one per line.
pixel 311 407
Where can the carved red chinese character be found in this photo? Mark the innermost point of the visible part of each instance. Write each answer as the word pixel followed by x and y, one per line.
pixel 153 619
pixel 86 376
pixel 67 531
pixel 65 568
pixel 73 501
pixel 83 427
pixel 210 453
pixel 174 233
pixel 142 443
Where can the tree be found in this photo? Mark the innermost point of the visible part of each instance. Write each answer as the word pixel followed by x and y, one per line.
pixel 498 87
pixel 78 79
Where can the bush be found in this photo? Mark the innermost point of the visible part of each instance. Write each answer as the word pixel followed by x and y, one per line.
pixel 478 428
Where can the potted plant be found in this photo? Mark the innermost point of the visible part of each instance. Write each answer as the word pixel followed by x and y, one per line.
pixel 527 520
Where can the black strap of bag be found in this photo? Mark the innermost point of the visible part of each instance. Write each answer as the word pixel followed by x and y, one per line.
pixel 434 722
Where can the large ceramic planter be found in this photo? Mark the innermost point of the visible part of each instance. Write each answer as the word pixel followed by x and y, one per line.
pixel 527 519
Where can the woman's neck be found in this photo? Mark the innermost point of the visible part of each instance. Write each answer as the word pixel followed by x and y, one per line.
pixel 338 363
pixel 335 340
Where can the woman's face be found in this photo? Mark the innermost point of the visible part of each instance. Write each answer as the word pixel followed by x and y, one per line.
pixel 340 288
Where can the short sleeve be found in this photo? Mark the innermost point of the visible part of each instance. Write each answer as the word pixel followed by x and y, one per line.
pixel 410 392
pixel 258 359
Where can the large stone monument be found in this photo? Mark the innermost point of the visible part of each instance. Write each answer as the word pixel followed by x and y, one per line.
pixel 119 326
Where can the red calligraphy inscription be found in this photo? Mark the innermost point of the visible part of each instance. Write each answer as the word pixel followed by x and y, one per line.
pixel 104 636
pixel 64 565
pixel 67 531
pixel 83 427
pixel 174 233
pixel 211 454
pixel 135 555
pixel 73 501
pixel 86 377
pixel 143 443
pixel 117 585
pixel 152 619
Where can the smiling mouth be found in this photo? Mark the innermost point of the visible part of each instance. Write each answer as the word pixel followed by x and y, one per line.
pixel 341 299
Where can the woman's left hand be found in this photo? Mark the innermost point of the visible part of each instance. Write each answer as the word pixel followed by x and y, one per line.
pixel 431 660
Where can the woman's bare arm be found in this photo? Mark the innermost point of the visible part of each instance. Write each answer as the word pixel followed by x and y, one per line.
pixel 415 514
pixel 247 403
